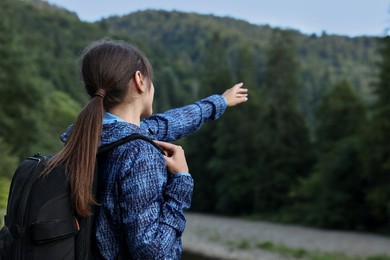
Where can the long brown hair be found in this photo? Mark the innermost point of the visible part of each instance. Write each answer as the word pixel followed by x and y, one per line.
pixel 107 67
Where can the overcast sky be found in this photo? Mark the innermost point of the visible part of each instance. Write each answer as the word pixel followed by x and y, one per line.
pixel 342 17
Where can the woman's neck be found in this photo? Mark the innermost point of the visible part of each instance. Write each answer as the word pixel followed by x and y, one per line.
pixel 128 112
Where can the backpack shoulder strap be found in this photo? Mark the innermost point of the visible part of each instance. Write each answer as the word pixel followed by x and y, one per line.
pixel 22 182
pixel 127 139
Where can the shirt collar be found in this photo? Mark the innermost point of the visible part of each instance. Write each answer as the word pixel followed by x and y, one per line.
pixel 109 118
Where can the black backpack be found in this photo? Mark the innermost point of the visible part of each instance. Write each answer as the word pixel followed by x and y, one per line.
pixel 40 222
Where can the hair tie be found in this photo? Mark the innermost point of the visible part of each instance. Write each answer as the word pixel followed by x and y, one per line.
pixel 100 93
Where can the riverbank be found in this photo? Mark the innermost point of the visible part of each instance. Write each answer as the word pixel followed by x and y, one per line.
pixel 234 238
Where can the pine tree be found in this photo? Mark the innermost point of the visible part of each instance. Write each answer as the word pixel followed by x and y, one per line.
pixel 236 147
pixel 285 145
pixel 334 192
pixel 215 76
pixel 376 145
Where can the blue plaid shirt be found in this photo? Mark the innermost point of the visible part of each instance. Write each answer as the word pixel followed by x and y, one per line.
pixel 141 205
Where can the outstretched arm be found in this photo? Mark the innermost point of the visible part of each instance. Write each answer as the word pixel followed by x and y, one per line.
pixel 180 122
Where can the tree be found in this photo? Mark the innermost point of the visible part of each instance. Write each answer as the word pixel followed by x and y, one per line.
pixel 8 162
pixel 340 114
pixel 215 77
pixel 236 146
pixel 284 142
pixel 333 196
pixel 60 110
pixel 170 92
pixel 376 145
pixel 21 91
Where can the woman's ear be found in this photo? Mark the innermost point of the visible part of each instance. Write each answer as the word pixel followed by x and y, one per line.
pixel 139 81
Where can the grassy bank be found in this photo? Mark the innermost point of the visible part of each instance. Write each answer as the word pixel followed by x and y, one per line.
pixel 300 253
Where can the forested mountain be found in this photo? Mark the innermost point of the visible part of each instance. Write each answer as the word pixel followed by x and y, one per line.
pixel 177 40
pixel 310 101
pixel 323 60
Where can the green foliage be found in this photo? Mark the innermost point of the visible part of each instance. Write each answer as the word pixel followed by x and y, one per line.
pixel 284 139
pixel 216 77
pixel 333 193
pixel 269 246
pixel 376 146
pixel 21 92
pixel 60 110
pixel 235 159
pixel 236 147
pixel 341 113
pixel 332 196
pixel 8 162
pixel 378 257
pixel 4 190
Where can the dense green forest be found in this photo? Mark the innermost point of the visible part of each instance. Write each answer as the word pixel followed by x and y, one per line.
pixel 311 146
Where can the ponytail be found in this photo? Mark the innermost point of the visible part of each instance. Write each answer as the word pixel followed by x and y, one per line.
pixel 79 154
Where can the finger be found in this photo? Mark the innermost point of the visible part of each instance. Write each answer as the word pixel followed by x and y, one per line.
pixel 164 145
pixel 242 90
pixel 242 94
pixel 170 149
pixel 238 85
pixel 168 160
pixel 242 99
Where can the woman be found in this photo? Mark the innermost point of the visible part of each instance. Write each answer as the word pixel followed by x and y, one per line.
pixel 140 212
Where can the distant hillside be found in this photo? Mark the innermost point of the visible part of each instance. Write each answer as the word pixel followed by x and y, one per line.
pixel 177 39
pixel 324 60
